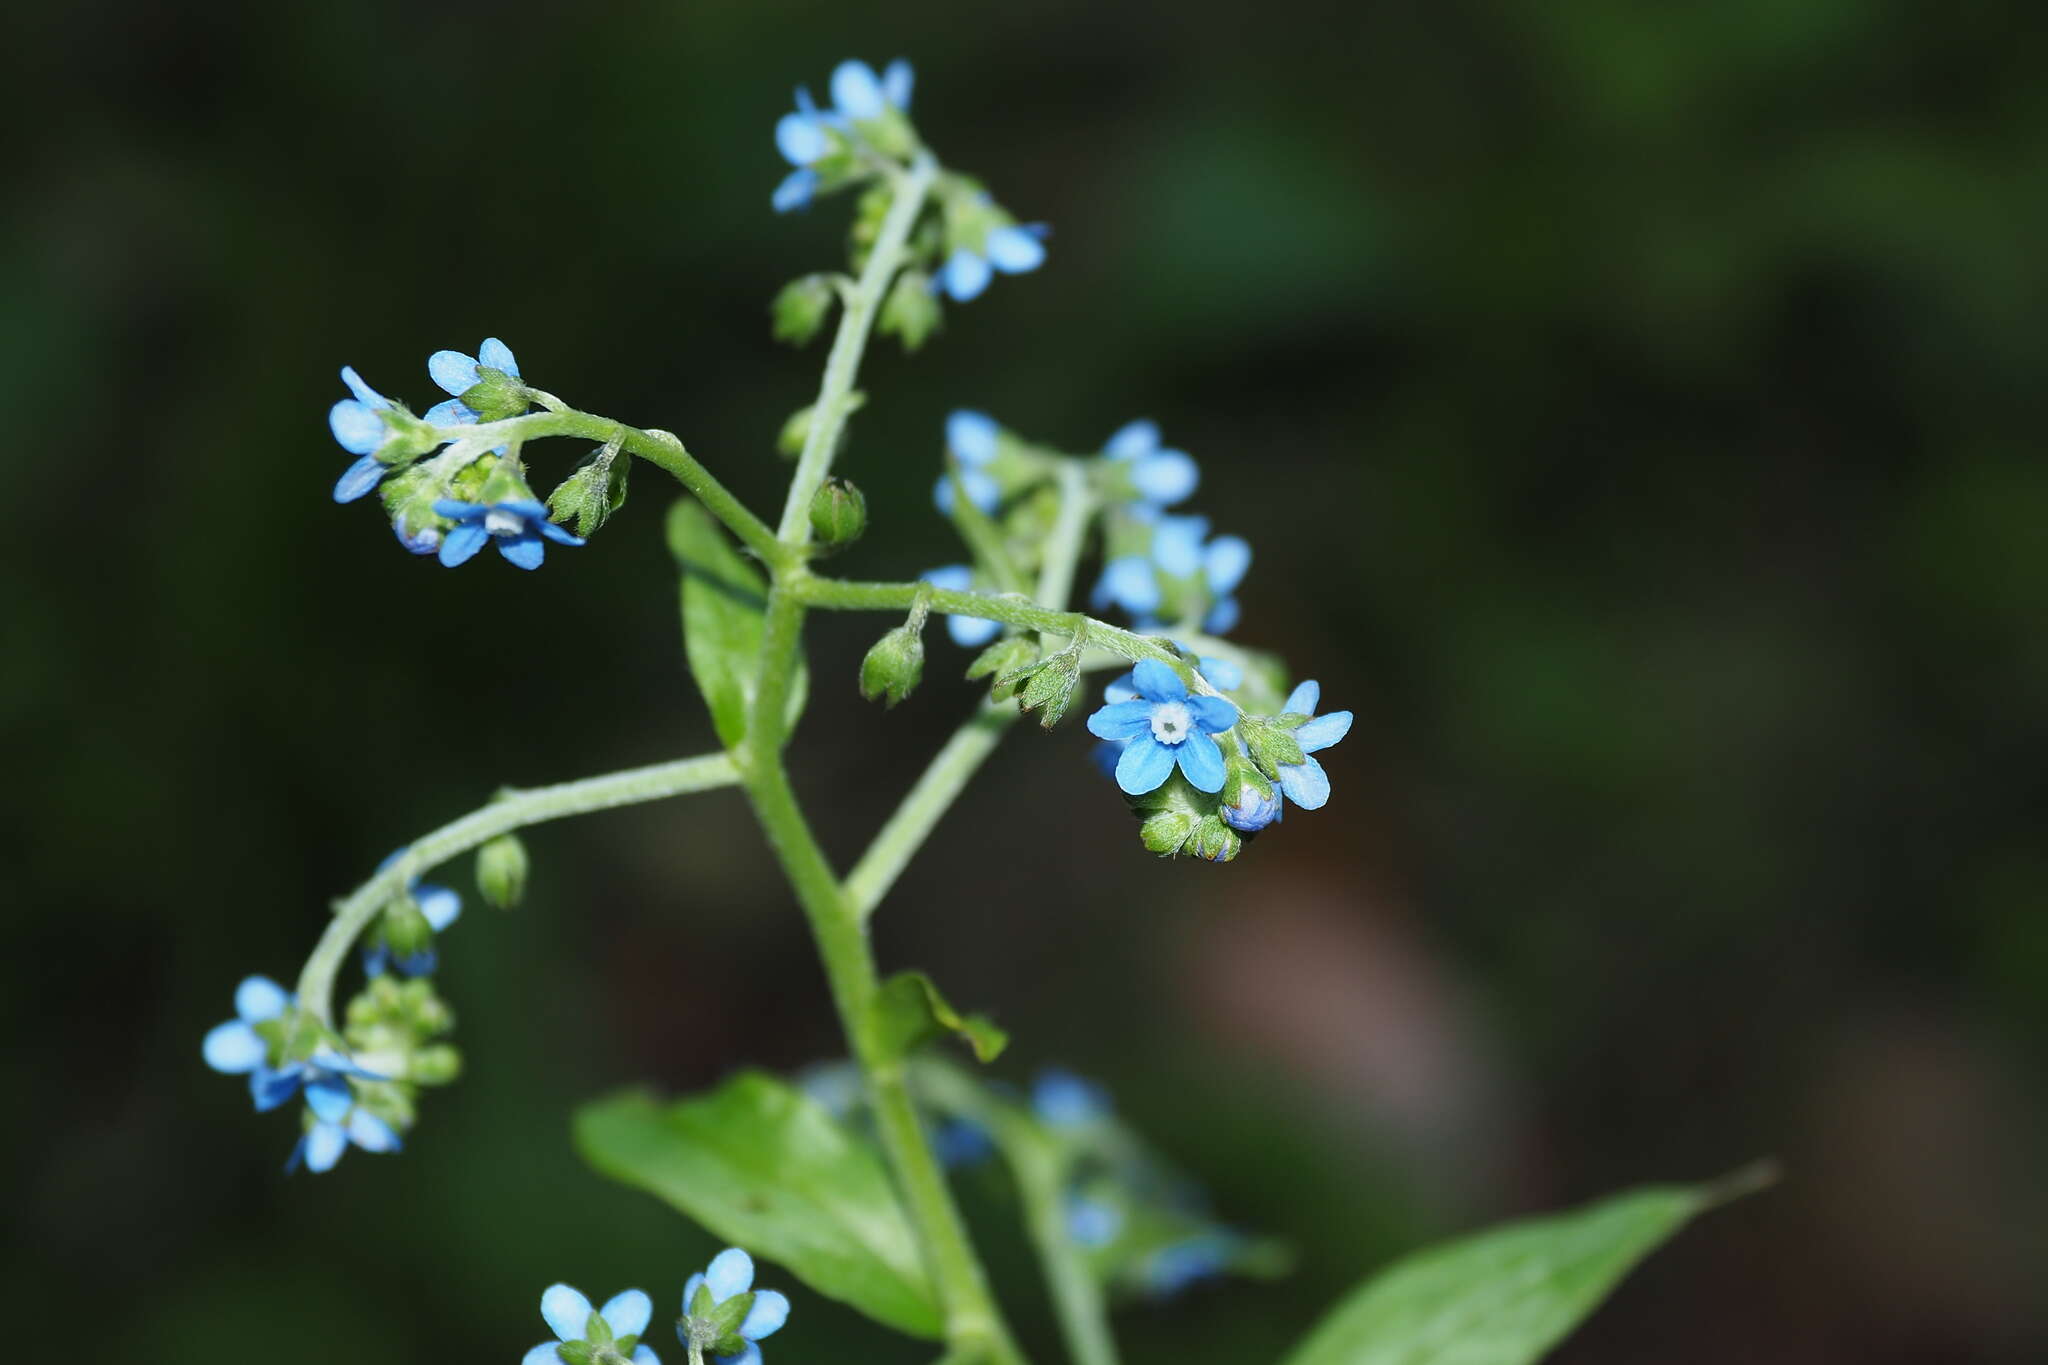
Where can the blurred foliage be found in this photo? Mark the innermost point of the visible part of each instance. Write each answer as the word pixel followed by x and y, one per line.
pixel 1636 410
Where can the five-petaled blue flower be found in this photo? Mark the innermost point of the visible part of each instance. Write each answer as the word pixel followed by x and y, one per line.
pixel 457 374
pixel 338 1122
pixel 569 1316
pixel 731 1272
pixel 805 136
pixel 971 439
pixel 1014 249
pixel 358 425
pixel 967 631
pixel 1162 726
pixel 439 905
pixel 1162 477
pixel 239 1048
pixel 516 524
pixel 1065 1100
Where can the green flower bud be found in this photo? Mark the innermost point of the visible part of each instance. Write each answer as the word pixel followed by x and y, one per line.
pixel 1166 831
pixel 501 866
pixel 594 491
pixel 495 395
pixel 795 431
pixel 911 310
pixel 1213 840
pixel 1048 687
pixel 839 514
pixel 799 309
pixel 405 929
pixel 436 1065
pixel 893 667
pixel 1270 741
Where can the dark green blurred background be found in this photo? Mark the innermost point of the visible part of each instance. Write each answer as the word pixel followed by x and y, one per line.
pixel 1636 409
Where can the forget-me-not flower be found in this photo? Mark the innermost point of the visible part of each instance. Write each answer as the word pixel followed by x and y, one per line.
pixel 240 1047
pixel 1304 783
pixel 1179 549
pixel 1164 726
pixel 859 94
pixel 807 136
pixel 621 1321
pixel 517 524
pixel 338 1123
pixel 730 1273
pixel 1162 477
pixel 358 425
pixel 1013 249
pixel 968 631
pixel 457 374
pixel 1064 1100
pixel 1092 1223
pixel 972 439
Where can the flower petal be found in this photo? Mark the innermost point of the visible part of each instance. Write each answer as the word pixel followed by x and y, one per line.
pixel 1129 582
pixel 1121 720
pixel 543 1354
pixel 795 191
pixel 964 275
pixel 1166 477
pixel 1225 675
pixel 359 478
pixel 1062 1099
pixel 457 510
pixel 1323 731
pixel 1177 544
pixel 356 426
pixel 325 1142
pixel 750 1356
pixel 1120 688
pixel 523 551
pixel 801 139
pixel 1303 700
pixel 1305 783
pixel 371 1133
pixel 1201 762
pixel 765 1318
pixel 450 412
pixel 258 998
pixel 972 436
pixel 439 904
pixel 1157 682
pixel 643 1354
pixel 271 1088
pixel 233 1048
pixel 1014 250
pixel 857 91
pixel 627 1314
pixel 897 80
pixel 365 395
pixel 1222 617
pixel 460 545
pixel 498 356
pixel 969 631
pixel 1224 561
pixel 453 371
pixel 329 1098
pixel 1213 714
pixel 1133 440
pixel 731 1271
pixel 1144 765
pixel 566 1310
pixel 689 1293
pixel 950 577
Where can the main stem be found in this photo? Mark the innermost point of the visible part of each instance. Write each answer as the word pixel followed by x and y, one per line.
pixel 974 1324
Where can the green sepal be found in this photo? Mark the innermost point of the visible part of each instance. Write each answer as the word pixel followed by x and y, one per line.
pixel 1047 686
pixel 724 602
pixel 501 868
pixel 1213 840
pixel 893 666
pixel 575 1352
pixel 436 1065
pixel 801 306
pixel 724 1320
pixel 597 1331
pixel 495 395
pixel 1165 831
pixel 909 1011
pixel 1270 742
pixel 1006 656
pixel 911 310
pixel 593 491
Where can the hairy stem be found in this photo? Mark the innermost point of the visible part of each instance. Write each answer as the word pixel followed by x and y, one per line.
pixel 512 810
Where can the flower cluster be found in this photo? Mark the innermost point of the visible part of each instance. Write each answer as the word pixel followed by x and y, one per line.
pixel 474 492
pixel 721 1312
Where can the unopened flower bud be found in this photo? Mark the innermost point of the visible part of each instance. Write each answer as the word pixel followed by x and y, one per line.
pixel 839 514
pixel 1213 840
pixel 893 667
pixel 1166 831
pixel 799 309
pixel 501 867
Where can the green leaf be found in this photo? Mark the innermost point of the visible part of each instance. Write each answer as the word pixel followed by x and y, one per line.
pixel 1507 1295
pixel 765 1167
pixel 724 601
pixel 910 1011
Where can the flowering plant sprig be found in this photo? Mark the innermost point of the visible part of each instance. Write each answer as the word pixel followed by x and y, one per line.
pixel 1202 738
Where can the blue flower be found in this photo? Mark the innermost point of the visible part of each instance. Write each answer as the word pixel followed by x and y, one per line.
pixel 1092 1223
pixel 1064 1100
pixel 1013 249
pixel 1174 1268
pixel 338 1123
pixel 1305 783
pixel 731 1272
pixel 517 524
pixel 240 1047
pixel 1163 726
pixel 961 1142
pixel 439 905
pixel 568 1314
pixel 1178 550
pixel 967 631
pixel 860 94
pixel 358 425
pixel 803 138
pixel 457 374
pixel 972 439
pixel 1162 477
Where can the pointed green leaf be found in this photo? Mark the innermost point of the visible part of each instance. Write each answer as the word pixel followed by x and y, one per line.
pixel 910 1010
pixel 765 1167
pixel 724 600
pixel 1507 1295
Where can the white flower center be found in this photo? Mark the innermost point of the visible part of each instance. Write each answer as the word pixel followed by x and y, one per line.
pixel 1171 722
pixel 500 521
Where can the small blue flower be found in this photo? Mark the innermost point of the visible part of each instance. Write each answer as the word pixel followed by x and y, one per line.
pixel 239 1048
pixel 860 94
pixel 732 1272
pixel 1254 811
pixel 1175 1268
pixel 359 427
pixel 1162 726
pixel 439 905
pixel 1092 1223
pixel 967 631
pixel 972 439
pixel 568 1313
pixel 1179 550
pixel 339 1123
pixel 1305 783
pixel 1064 1100
pixel 961 1142
pixel 517 524
pixel 457 374
pixel 1012 249
pixel 1162 477
pixel 803 138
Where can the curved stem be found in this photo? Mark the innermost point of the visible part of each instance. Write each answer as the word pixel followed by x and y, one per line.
pixel 513 810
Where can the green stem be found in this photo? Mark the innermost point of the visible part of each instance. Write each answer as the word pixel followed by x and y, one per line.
pixel 514 809
pixel 828 414
pixel 656 447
